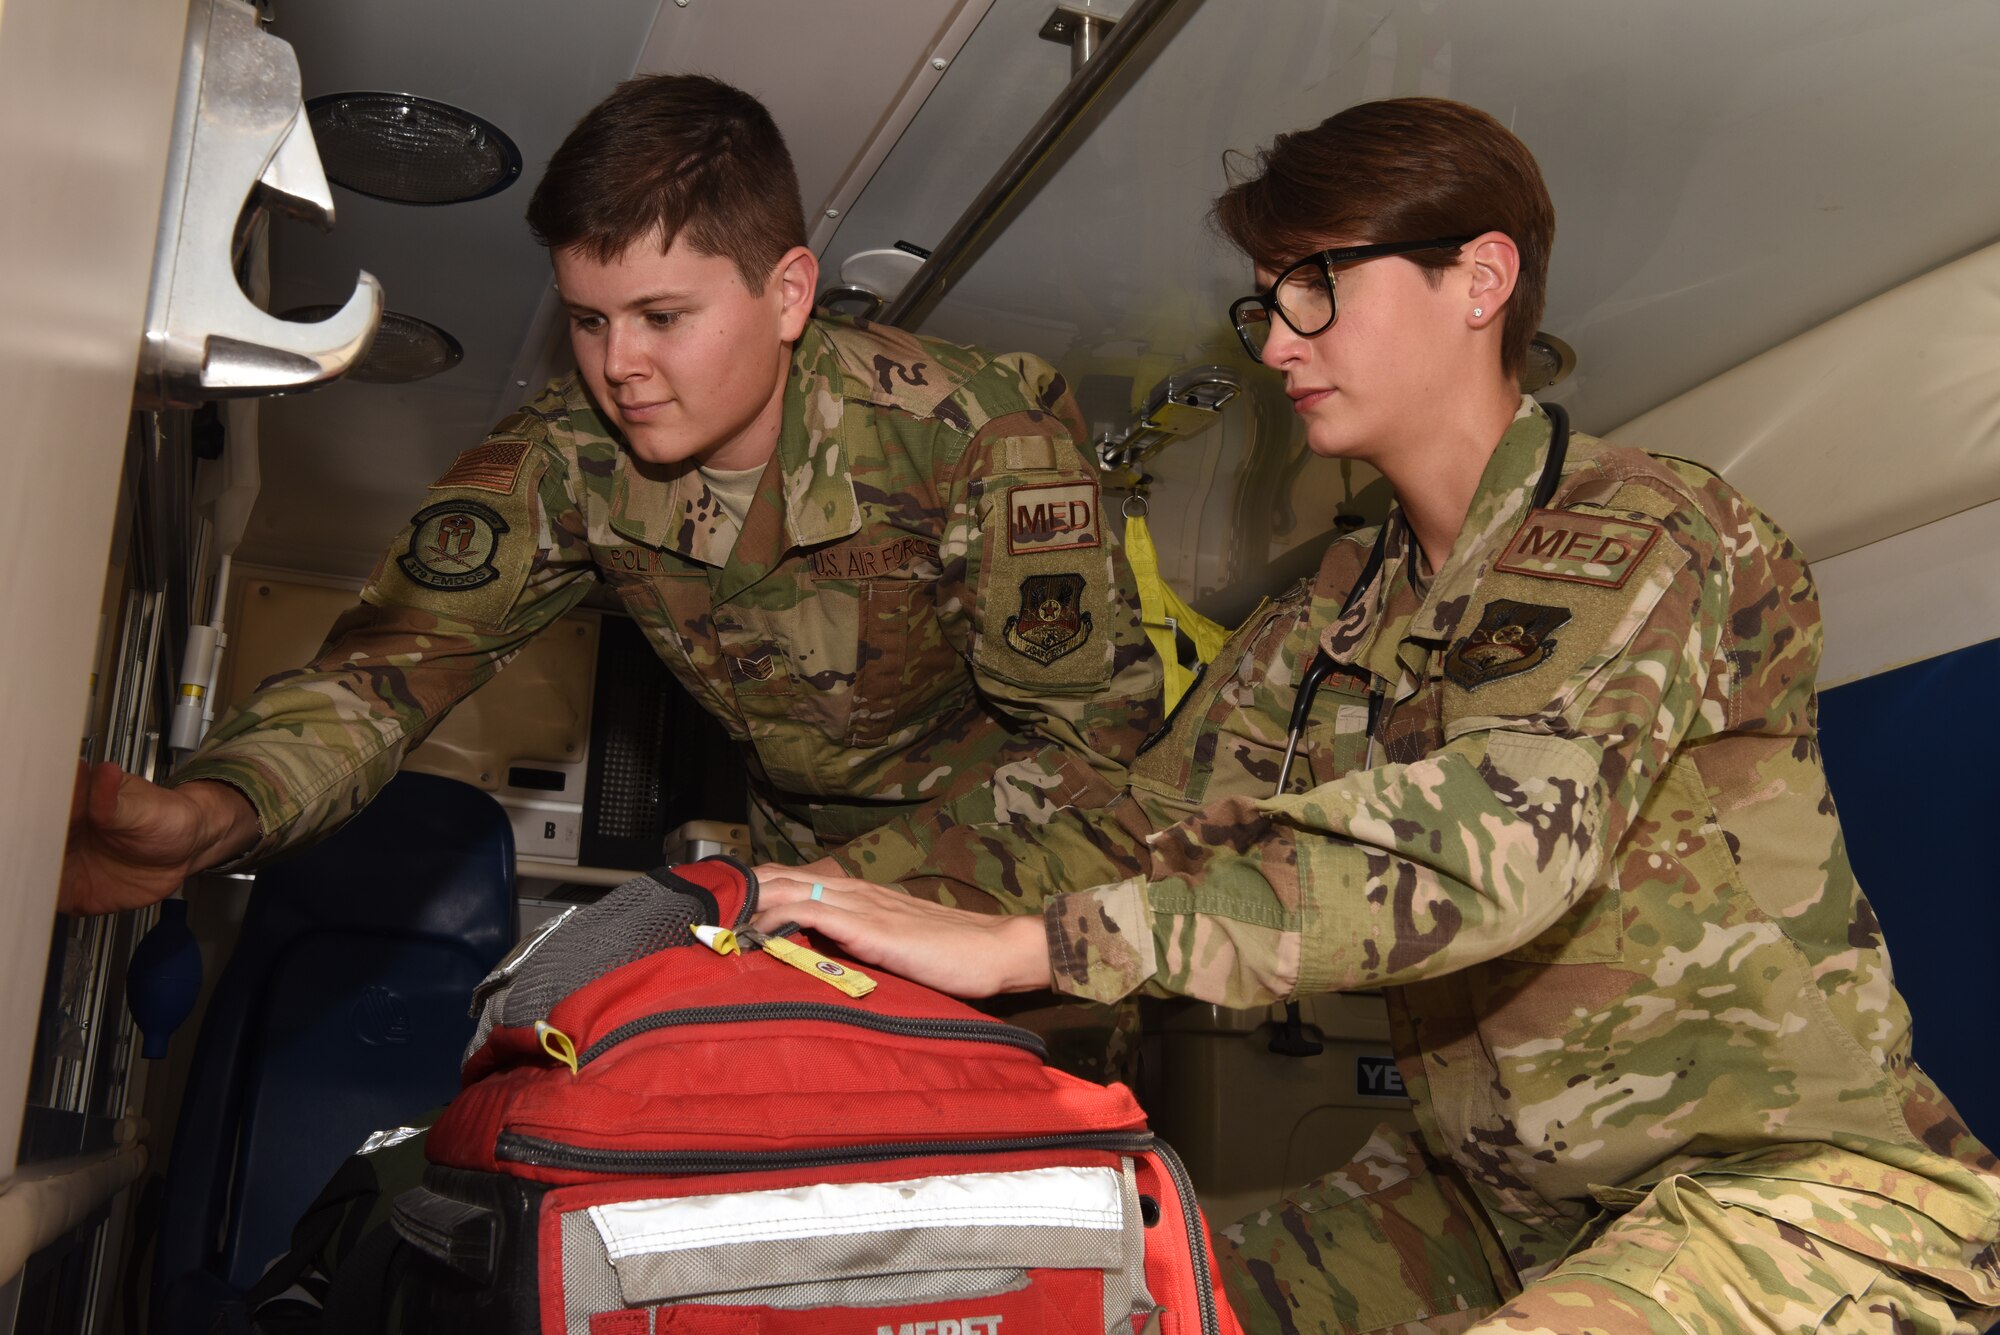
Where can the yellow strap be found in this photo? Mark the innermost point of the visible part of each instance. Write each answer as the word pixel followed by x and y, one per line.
pixel 556 1043
pixel 1163 612
pixel 851 981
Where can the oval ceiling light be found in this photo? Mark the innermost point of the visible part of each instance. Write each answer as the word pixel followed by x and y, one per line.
pixel 405 348
pixel 1550 360
pixel 850 300
pixel 409 149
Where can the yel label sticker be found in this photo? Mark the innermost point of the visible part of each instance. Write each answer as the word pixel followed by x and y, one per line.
pixel 453 545
pixel 1052 517
pixel 1580 548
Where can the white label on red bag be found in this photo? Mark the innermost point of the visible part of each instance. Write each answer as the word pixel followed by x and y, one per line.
pixel 1086 1198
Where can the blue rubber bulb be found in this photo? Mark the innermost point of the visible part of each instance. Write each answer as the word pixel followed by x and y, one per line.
pixel 164 978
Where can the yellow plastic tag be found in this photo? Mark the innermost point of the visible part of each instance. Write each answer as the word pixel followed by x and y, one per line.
pixel 851 981
pixel 718 939
pixel 556 1043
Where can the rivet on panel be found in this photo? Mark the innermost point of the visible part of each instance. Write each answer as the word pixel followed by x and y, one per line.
pixel 939 62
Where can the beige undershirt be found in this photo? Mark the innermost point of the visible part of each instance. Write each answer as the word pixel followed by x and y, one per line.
pixel 733 489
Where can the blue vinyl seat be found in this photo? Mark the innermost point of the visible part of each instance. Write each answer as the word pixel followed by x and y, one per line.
pixel 1909 755
pixel 342 1011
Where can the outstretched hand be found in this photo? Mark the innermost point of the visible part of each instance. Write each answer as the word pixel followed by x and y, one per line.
pixel 132 843
pixel 965 954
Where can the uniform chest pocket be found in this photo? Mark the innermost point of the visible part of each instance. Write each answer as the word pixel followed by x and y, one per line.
pixel 904 669
pixel 670 604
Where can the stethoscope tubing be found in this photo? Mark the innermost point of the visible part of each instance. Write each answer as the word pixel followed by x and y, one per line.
pixel 1323 663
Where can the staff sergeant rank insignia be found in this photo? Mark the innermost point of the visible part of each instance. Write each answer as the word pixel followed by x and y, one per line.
pixel 1510 639
pixel 1051 622
pixel 452 545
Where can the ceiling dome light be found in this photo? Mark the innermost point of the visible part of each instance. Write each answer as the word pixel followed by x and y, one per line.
pixel 405 348
pixel 409 149
pixel 1550 360
pixel 851 300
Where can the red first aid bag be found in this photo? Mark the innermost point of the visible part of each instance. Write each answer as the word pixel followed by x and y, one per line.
pixel 752 1136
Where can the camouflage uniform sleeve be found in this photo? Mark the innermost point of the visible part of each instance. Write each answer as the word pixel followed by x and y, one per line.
pixel 496 554
pixel 1017 866
pixel 1039 601
pixel 1408 871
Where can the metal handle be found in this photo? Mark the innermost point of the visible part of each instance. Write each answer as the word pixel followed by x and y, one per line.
pixel 239 126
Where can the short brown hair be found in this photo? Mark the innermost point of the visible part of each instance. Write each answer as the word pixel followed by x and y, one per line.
pixel 671 154
pixel 1407 169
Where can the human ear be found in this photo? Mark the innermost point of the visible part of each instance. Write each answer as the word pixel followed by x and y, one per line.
pixel 1493 264
pixel 796 278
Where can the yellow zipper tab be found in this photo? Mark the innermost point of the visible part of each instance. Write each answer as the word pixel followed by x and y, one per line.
pixel 851 981
pixel 718 939
pixel 556 1043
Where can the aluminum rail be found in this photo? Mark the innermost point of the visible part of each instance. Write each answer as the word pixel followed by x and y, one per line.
pixel 42 1202
pixel 961 243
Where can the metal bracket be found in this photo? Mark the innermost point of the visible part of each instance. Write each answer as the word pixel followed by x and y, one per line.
pixel 1185 403
pixel 1079 28
pixel 239 126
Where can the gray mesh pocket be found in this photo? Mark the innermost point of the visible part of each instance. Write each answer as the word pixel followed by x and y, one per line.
pixel 582 945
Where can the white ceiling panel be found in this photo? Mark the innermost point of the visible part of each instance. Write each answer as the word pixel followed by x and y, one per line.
pixel 1725 175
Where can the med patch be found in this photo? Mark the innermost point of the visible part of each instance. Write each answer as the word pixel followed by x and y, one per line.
pixel 452 545
pixel 1052 517
pixel 1511 638
pixel 1051 621
pixel 1578 548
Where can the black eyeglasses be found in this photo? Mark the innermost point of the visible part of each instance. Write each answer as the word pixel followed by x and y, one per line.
pixel 1303 295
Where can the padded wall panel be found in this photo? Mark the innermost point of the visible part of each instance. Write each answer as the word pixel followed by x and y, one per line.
pixel 1883 418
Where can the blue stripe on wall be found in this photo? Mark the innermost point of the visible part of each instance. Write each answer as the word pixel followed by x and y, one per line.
pixel 1913 757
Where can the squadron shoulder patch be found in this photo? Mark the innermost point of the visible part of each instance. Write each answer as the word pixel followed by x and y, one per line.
pixel 492 466
pixel 1510 639
pixel 1051 621
pixel 452 545
pixel 1051 517
pixel 1579 548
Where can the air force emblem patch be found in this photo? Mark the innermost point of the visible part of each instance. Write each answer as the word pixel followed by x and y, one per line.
pixel 1051 621
pixel 1510 639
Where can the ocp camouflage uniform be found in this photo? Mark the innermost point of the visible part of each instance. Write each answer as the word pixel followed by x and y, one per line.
pixel 1564 803
pixel 923 606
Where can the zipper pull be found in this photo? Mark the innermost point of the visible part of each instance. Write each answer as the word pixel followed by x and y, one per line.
pixel 556 1043
pixel 718 939
pixel 806 960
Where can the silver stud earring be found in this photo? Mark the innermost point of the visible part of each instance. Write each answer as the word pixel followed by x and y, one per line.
pixel 1477 312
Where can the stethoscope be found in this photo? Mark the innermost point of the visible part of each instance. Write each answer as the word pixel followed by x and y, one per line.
pixel 1323 664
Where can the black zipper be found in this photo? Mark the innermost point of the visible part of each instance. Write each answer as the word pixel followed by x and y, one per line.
pixel 1203 1263
pixel 515 1147
pixel 970 1031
